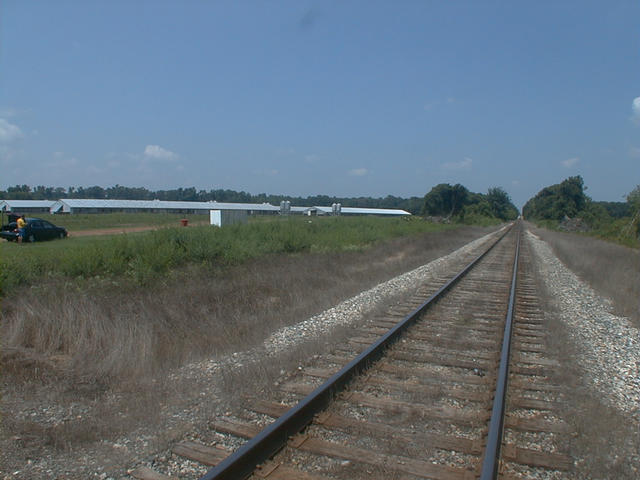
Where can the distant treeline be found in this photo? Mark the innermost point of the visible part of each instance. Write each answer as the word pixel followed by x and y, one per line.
pixel 568 199
pixel 616 209
pixel 553 205
pixel 458 203
pixel 25 192
pixel 444 200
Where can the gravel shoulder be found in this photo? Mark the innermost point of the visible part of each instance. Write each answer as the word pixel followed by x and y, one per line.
pixel 608 345
pixel 601 363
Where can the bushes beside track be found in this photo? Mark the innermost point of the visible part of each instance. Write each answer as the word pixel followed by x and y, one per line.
pixel 142 258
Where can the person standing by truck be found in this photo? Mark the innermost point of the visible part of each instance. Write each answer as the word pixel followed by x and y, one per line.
pixel 21 223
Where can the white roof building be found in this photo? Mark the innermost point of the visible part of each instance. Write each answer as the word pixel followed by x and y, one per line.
pixel 26 206
pixel 371 211
pixel 79 205
pixel 352 211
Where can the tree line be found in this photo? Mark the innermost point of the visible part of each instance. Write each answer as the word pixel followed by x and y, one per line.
pixel 567 200
pixel 458 203
pixel 119 192
pixel 452 202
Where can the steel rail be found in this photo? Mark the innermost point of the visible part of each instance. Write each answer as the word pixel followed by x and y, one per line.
pixel 491 460
pixel 240 464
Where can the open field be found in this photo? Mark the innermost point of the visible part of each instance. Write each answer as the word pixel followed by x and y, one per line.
pixel 87 221
pixel 146 257
pixel 129 297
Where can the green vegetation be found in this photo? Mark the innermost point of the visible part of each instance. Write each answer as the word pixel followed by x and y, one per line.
pixel 91 221
pixel 452 202
pixel 557 201
pixel 459 204
pixel 142 258
pixel 616 209
pixel 118 192
pixel 565 206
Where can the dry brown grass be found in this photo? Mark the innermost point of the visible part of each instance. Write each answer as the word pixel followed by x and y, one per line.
pixel 603 440
pixel 103 333
pixel 612 270
pixel 107 349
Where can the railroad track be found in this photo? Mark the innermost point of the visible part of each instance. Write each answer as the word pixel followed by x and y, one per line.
pixel 436 390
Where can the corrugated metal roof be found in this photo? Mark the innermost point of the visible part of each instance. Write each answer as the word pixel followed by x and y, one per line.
pixel 299 209
pixel 242 206
pixel 363 211
pixel 161 204
pixel 324 209
pixel 26 203
pixel 352 210
pixel 167 205
pixel 372 211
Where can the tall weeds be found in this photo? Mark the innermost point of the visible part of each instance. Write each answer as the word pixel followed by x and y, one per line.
pixel 612 270
pixel 109 328
pixel 142 258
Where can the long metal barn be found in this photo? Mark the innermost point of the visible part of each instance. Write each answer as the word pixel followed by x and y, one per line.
pixel 76 205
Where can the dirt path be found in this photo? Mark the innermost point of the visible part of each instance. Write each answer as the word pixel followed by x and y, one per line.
pixel 121 230
pixel 111 231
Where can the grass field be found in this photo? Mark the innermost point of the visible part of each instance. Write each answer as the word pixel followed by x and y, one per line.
pixel 112 305
pixel 621 231
pixel 88 221
pixel 144 257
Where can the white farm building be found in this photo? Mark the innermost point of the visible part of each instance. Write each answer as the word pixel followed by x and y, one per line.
pixel 26 206
pixel 77 205
pixel 351 211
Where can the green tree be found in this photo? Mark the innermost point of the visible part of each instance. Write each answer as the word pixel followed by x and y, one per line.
pixel 500 204
pixel 481 208
pixel 557 201
pixel 20 192
pixel 633 199
pixel 445 200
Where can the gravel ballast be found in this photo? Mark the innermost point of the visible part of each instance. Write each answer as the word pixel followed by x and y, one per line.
pixel 608 345
pixel 345 313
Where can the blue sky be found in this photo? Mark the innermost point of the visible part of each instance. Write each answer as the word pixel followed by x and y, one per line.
pixel 346 98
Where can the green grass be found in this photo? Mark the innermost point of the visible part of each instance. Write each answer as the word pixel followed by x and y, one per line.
pixel 88 221
pixel 145 257
pixel 621 231
pixel 480 220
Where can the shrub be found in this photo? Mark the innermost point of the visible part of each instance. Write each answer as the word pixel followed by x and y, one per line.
pixel 142 258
